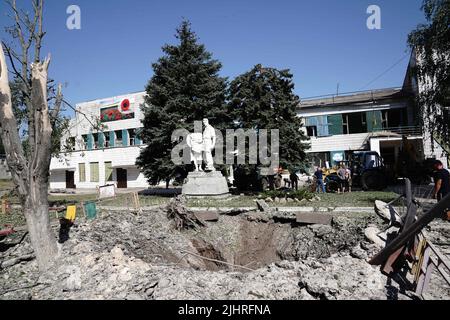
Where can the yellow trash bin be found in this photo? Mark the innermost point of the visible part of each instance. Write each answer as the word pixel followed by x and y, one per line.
pixel 71 213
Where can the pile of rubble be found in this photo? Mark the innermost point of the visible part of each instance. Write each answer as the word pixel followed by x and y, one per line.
pixel 126 256
pixel 292 199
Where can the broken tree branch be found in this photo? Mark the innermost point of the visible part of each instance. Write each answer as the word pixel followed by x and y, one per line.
pixel 12 262
pixel 22 288
pixel 58 102
pixel 16 72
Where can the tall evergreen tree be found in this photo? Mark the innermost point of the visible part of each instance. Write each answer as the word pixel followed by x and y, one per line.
pixel 186 87
pixel 263 98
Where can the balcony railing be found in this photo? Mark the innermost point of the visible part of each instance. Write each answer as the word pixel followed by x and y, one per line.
pixel 404 131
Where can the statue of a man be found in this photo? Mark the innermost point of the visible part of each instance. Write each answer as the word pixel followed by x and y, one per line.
pixel 195 142
pixel 209 143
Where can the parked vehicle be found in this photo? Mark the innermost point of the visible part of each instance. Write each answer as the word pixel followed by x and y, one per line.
pixel 368 172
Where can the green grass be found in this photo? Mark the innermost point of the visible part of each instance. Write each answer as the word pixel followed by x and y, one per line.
pixel 120 201
pixel 15 218
pixel 355 199
pixel 61 200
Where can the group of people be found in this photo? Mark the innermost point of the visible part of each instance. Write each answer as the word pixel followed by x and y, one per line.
pixel 345 179
pixel 441 180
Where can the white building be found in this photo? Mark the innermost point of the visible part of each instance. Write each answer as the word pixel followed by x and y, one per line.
pixel 106 157
pixel 376 120
pixel 338 125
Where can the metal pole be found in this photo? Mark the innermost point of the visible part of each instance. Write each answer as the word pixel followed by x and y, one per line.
pixel 411 231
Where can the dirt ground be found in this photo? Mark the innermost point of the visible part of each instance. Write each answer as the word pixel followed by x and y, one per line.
pixel 122 255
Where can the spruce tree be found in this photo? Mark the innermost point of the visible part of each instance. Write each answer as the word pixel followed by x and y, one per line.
pixel 263 98
pixel 185 87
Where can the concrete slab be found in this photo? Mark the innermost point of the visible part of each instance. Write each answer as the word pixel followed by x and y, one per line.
pixel 314 218
pixel 207 215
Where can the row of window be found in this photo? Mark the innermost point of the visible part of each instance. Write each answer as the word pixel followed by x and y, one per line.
pixel 102 140
pixel 358 122
pixel 94 172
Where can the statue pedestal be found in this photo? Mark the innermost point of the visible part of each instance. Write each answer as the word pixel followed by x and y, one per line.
pixel 206 184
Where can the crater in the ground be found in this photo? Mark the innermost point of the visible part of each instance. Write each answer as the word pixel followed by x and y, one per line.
pixel 235 242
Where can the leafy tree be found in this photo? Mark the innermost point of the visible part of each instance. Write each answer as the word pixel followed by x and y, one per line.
pixel 263 98
pixel 186 87
pixel 431 41
pixel 60 123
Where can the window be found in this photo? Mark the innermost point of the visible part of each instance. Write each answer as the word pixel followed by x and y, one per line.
pixel 132 135
pixel 85 142
pixel 96 143
pixel 108 171
pixel 311 131
pixel 385 119
pixel 119 142
pixel 82 172
pixel 364 120
pixel 345 128
pixel 397 118
pixel 107 140
pixel 94 172
pixel 354 123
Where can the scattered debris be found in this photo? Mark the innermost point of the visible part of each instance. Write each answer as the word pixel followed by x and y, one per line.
pixel 372 234
pixel 251 255
pixel 387 213
pixel 183 218
pixel 263 206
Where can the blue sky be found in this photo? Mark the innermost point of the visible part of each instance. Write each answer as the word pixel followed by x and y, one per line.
pixel 323 42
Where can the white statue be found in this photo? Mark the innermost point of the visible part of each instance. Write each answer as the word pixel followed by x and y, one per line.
pixel 195 142
pixel 209 143
pixel 202 146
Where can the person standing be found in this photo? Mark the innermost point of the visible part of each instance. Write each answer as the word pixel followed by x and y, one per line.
pixel 348 179
pixel 341 174
pixel 441 181
pixel 294 181
pixel 319 180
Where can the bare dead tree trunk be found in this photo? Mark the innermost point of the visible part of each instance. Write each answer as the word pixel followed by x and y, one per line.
pixel 31 175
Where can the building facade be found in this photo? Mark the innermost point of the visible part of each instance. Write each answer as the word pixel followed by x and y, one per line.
pixel 387 121
pixel 91 158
